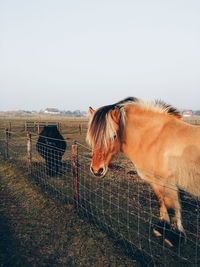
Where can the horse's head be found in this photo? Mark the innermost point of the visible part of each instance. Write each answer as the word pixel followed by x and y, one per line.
pixel 103 136
pixel 102 156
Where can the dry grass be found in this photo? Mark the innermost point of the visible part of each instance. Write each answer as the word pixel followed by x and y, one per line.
pixel 98 199
pixel 36 231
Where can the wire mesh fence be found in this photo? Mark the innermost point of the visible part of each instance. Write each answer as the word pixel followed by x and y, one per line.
pixel 125 206
pixel 121 203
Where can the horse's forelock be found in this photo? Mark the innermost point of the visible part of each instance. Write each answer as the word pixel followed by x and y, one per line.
pixel 101 128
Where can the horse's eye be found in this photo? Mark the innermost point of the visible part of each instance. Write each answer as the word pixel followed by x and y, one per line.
pixel 114 137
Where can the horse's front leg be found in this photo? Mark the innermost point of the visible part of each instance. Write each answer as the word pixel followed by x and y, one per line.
pixel 170 225
pixel 164 216
pixel 164 219
pixel 174 209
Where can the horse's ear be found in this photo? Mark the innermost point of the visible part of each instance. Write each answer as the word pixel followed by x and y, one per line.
pixel 115 114
pixel 91 111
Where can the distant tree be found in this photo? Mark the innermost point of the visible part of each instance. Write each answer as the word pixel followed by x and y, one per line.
pixel 197 112
pixel 77 113
pixel 67 113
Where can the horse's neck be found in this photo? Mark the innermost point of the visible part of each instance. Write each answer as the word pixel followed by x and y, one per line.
pixel 140 130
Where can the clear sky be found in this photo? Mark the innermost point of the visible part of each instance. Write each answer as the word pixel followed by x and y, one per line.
pixel 71 54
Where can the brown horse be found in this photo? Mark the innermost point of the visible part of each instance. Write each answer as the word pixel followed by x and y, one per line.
pixel 164 149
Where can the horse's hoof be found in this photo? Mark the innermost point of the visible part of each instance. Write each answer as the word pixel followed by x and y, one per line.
pixel 171 237
pixel 168 243
pixel 175 237
pixel 160 228
pixel 156 233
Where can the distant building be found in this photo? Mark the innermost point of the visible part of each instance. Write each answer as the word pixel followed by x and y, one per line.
pixel 53 111
pixel 187 113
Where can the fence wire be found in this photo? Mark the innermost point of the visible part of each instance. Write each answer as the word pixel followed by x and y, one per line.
pixel 121 203
pixel 126 206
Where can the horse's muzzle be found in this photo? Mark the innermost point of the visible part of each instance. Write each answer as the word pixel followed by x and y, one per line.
pixel 99 172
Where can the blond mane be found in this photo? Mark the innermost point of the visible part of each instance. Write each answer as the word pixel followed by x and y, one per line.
pixel 102 128
pixel 156 106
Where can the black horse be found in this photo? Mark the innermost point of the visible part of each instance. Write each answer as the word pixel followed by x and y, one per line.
pixel 51 146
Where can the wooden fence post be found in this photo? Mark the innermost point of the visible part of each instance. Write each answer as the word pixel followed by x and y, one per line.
pixel 59 127
pixel 75 174
pixel 10 129
pixel 38 127
pixel 6 141
pixel 35 126
pixel 80 129
pixel 29 151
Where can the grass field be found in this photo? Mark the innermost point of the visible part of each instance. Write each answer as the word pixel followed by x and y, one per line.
pixel 121 205
pixel 37 231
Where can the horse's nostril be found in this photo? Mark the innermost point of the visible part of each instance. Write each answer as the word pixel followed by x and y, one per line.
pixel 97 172
pixel 100 171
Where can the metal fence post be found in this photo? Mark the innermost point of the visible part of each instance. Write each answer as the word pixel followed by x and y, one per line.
pixel 6 141
pixel 29 151
pixel 75 174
